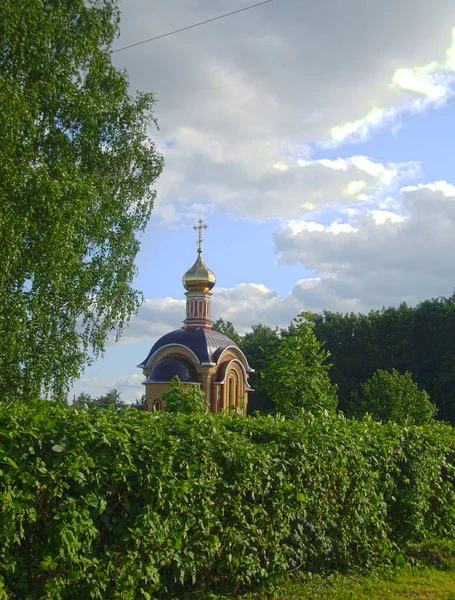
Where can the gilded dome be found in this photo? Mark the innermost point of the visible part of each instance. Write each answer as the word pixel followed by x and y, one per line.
pixel 199 278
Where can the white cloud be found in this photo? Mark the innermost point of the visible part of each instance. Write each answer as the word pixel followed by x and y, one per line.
pixel 360 130
pixel 375 258
pixel 240 101
pixel 431 85
pixel 130 387
pixel 380 257
pixel 447 189
pixel 240 104
pixel 259 188
pixel 156 317
pixel 382 216
pixel 334 228
pixel 354 188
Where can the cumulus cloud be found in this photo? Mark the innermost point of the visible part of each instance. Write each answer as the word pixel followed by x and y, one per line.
pixel 284 189
pixel 129 386
pixel 242 103
pixel 241 100
pixel 380 257
pixel 244 305
pixel 403 250
pixel 156 317
pixel 376 257
pixel 417 89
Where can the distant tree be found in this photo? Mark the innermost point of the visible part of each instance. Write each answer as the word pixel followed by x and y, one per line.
pixel 354 352
pixel 228 329
pixel 191 402
pixel 82 398
pixel 296 375
pixel 77 166
pixel 259 345
pixel 418 339
pixel 390 396
pixel 111 397
pixel 433 339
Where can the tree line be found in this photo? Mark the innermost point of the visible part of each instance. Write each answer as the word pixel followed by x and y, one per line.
pixel 410 349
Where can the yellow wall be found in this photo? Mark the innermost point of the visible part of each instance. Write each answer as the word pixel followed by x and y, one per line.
pixel 207 376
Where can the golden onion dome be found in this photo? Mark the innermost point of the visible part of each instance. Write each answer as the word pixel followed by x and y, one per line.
pixel 199 278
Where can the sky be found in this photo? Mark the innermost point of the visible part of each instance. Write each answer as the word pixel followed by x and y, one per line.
pixel 316 140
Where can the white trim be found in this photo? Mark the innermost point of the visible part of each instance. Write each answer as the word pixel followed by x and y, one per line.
pixel 236 360
pixel 149 361
pixel 244 361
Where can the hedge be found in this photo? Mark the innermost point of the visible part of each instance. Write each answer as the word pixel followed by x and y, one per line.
pixel 123 504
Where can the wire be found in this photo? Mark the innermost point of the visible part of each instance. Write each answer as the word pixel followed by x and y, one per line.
pixel 158 37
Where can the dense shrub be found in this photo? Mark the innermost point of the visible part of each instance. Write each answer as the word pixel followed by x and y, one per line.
pixel 191 402
pixel 391 396
pixel 116 503
pixel 297 373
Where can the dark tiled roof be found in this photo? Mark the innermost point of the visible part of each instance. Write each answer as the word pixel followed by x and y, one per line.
pixel 205 343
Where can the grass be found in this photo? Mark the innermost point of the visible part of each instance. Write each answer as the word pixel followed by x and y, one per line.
pixel 428 583
pixel 432 579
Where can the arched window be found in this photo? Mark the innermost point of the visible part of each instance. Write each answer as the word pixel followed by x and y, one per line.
pixel 200 308
pixel 233 390
pixel 157 405
pixel 191 308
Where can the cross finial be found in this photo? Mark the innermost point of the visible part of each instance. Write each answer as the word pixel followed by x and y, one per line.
pixel 199 227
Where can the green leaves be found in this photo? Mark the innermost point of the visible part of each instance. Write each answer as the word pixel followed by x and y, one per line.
pixel 296 376
pixel 57 448
pixel 418 339
pixel 390 396
pixel 77 167
pixel 152 505
pixel 191 401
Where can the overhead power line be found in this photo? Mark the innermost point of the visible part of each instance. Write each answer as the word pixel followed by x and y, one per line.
pixel 158 37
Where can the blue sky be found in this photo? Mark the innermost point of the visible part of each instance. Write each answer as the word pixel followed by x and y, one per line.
pixel 315 141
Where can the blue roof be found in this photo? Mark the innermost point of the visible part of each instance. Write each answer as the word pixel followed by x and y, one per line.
pixel 205 343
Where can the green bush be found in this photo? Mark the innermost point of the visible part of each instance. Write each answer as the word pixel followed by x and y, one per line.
pixel 121 504
pixel 191 402
pixel 296 376
pixel 391 396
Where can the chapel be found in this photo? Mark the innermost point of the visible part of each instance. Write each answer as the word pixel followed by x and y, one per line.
pixel 197 354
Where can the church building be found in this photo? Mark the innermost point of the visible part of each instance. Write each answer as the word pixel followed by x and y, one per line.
pixel 197 354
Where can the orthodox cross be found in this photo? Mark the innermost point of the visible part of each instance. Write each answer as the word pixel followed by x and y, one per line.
pixel 199 227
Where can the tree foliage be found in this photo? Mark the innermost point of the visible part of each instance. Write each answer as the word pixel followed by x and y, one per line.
pixel 111 397
pixel 189 402
pixel 390 396
pixel 82 398
pixel 418 339
pixel 296 376
pixel 259 345
pixel 99 503
pixel 228 329
pixel 76 166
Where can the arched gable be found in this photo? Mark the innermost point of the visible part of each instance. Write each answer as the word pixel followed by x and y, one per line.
pixel 228 365
pixel 231 379
pixel 171 350
pixel 236 353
